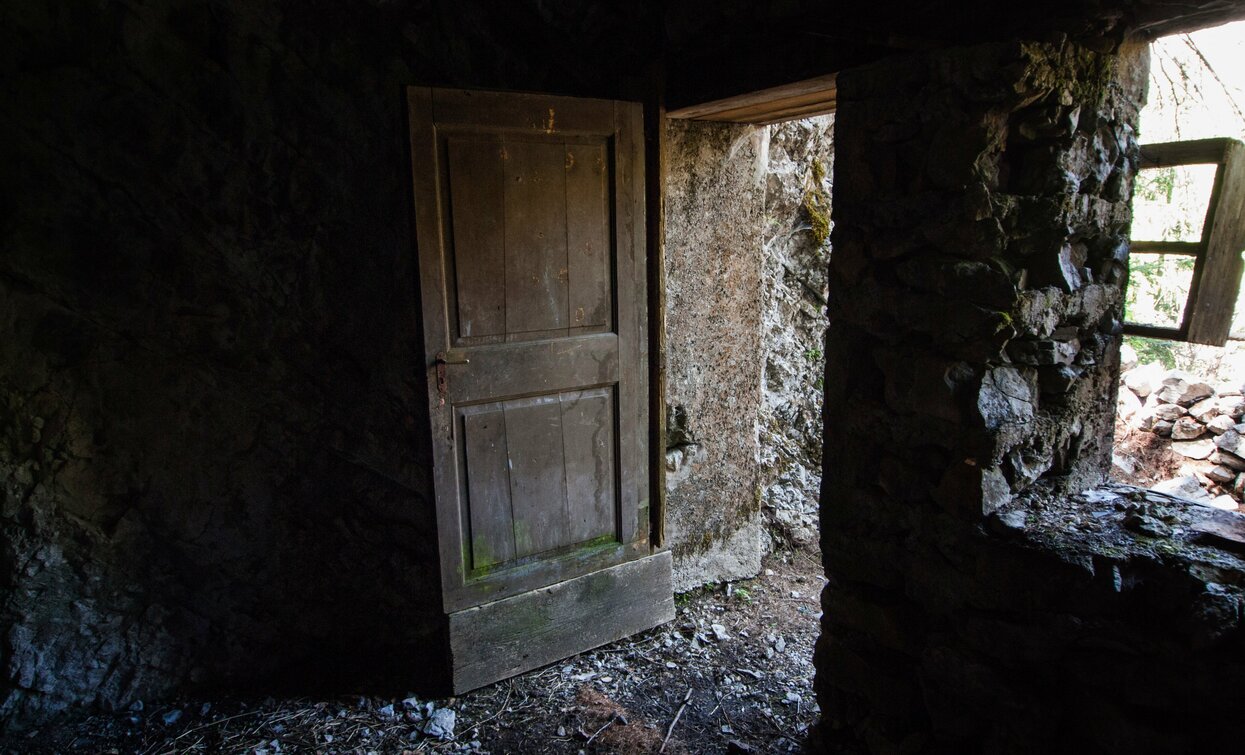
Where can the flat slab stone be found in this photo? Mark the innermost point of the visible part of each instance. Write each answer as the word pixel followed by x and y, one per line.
pixel 1186 487
pixel 1194 449
pixel 1226 531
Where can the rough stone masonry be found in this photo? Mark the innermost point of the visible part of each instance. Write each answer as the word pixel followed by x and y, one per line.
pixel 975 293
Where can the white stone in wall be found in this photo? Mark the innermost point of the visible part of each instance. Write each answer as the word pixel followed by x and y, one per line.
pixel 1186 486
pixel 1145 379
pixel 1194 449
pixel 1169 412
pixel 1231 406
pixel 1205 410
pixel 1220 425
pixel 1225 502
pixel 1127 404
pixel 1187 428
pixel 1180 387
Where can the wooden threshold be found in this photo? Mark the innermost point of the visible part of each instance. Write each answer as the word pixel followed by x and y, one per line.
pixel 800 99
pixel 498 640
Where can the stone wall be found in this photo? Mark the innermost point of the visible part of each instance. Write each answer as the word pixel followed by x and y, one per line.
pixel 715 194
pixel 793 327
pixel 213 442
pixel 980 244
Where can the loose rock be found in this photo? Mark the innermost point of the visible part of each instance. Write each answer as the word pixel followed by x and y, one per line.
pixel 1220 425
pixel 1196 449
pixel 1187 428
pixel 441 724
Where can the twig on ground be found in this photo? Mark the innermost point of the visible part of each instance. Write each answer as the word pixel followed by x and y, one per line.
pixel 675 722
pixel 598 731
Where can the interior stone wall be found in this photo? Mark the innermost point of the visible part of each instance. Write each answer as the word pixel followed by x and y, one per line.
pixel 980 245
pixel 213 441
pixel 715 195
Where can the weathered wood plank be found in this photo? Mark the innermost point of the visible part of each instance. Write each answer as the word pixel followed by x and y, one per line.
pixel 1219 279
pixel 587 234
pixel 425 172
pixel 786 110
pixel 758 103
pixel 1193 152
pixel 588 433
pixel 476 212
pixel 529 113
pixel 1183 248
pixel 507 637
pixel 501 371
pixel 488 485
pixel 633 318
pixel 537 289
pixel 537 474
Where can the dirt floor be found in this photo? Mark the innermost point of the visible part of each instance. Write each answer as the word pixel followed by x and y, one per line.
pixel 1149 457
pixel 732 673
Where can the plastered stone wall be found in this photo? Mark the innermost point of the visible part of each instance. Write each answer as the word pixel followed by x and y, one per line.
pixel 978 600
pixel 715 194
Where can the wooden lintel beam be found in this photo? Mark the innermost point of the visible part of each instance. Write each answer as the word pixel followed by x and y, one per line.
pixel 799 99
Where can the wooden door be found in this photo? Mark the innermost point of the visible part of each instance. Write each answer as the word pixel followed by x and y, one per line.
pixel 530 227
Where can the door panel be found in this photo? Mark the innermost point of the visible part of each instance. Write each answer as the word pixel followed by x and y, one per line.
pixel 487 467
pixel 537 280
pixel 591 495
pixel 477 202
pixel 539 475
pixel 587 234
pixel 530 221
pixel 529 214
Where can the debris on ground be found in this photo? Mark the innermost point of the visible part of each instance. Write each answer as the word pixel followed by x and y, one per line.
pixel 732 673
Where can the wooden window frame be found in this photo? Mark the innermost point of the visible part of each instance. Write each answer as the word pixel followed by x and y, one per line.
pixel 1208 310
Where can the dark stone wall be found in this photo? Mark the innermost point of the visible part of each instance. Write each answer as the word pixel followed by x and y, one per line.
pixel 213 441
pixel 980 246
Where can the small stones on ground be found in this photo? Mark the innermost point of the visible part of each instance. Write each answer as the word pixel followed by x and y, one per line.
pixel 1199 416
pixel 752 656
pixel 441 724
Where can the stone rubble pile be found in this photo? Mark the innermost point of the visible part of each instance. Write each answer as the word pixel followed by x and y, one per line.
pixel 1204 424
